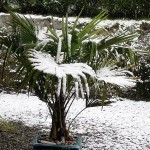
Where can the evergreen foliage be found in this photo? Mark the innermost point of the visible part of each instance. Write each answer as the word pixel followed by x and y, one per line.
pixel 115 8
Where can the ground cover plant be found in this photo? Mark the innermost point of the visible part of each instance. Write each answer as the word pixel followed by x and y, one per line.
pixel 67 64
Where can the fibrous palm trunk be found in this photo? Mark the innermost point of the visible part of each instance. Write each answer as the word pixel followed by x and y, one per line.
pixel 58 130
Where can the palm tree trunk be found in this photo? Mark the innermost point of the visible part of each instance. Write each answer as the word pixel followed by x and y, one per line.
pixel 58 130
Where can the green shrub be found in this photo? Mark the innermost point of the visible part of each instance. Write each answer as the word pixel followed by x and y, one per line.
pixel 143 86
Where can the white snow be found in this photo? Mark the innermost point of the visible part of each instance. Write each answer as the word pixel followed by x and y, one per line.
pixel 59 50
pixel 1 14
pixel 64 84
pixel 103 23
pixel 59 87
pixel 69 43
pixel 24 108
pixel 42 34
pixel 124 125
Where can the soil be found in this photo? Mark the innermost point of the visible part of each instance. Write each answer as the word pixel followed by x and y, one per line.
pixel 16 136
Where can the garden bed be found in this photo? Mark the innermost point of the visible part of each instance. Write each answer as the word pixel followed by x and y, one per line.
pixel 16 135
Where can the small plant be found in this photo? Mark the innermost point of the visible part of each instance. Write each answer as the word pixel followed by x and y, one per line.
pixel 67 64
pixel 7 126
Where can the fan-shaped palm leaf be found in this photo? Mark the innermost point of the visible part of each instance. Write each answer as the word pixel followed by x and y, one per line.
pixel 46 63
pixel 118 77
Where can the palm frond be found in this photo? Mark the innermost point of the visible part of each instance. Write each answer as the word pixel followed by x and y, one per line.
pixel 116 76
pixel 27 28
pixel 107 42
pixel 90 26
pixel 45 62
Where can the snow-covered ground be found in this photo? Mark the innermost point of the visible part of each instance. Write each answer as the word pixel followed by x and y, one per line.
pixel 124 125
pixel 42 20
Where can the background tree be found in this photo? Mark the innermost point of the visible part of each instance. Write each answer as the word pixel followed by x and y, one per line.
pixel 115 8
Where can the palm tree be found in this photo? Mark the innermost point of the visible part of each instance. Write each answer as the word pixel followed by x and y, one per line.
pixel 65 65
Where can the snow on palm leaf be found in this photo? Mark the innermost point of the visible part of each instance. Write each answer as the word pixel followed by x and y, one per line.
pixel 115 76
pixel 45 62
